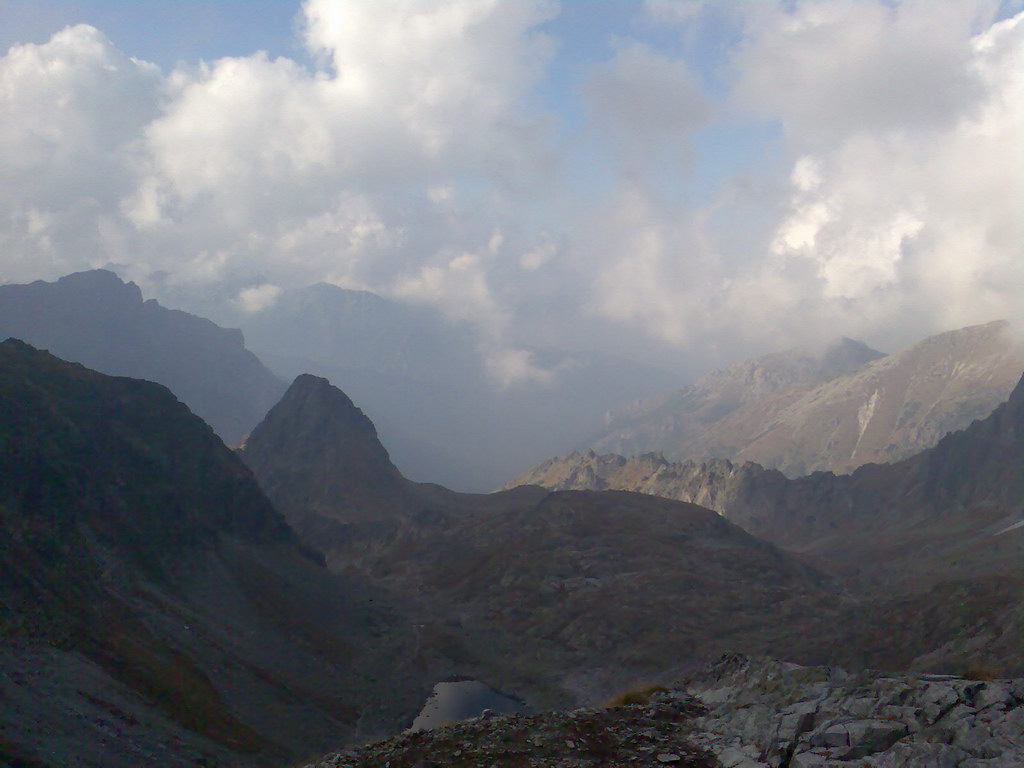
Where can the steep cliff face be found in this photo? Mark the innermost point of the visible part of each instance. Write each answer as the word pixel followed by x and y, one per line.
pixel 831 418
pixel 154 607
pixel 96 319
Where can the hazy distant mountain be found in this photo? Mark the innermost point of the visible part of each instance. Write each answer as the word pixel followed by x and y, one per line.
pixel 96 319
pixel 687 422
pixel 935 542
pixel 421 379
pixel 327 326
pixel 154 608
pixel 799 419
pixel 954 510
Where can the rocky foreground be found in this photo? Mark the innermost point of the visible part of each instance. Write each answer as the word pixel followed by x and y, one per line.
pixel 742 713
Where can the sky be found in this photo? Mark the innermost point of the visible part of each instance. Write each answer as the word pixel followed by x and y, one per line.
pixel 683 182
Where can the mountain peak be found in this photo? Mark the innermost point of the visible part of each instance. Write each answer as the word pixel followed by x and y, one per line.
pixel 96 319
pixel 316 439
pixel 323 410
pixel 101 281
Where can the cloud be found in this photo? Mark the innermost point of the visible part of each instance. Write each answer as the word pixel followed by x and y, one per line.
pixel 423 155
pixel 829 69
pixel 900 213
pixel 460 288
pixel 73 111
pixel 647 103
pixel 447 76
pixel 250 168
pixel 257 298
pixel 916 223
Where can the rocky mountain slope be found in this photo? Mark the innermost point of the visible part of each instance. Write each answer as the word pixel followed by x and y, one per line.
pixel 599 585
pixel 154 608
pixel 419 376
pixel 336 468
pixel 955 510
pixel 318 458
pixel 577 593
pixel 835 417
pixel 95 319
pixel 743 712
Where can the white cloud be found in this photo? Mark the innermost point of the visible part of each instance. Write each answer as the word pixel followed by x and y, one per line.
pixel 535 258
pixel 251 166
pixel 257 298
pixel 446 75
pixel 829 69
pixel 900 216
pixel 512 367
pixel 919 222
pixel 416 160
pixel 73 109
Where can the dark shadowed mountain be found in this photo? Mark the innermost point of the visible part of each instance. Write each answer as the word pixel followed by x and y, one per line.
pixel 318 458
pixel 335 461
pixel 571 577
pixel 573 594
pixel 422 381
pixel 98 320
pixel 154 608
pixel 835 412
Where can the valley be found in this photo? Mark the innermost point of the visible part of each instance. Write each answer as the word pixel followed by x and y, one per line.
pixel 300 594
pixel 512 384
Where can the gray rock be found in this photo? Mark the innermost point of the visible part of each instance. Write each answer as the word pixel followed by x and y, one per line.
pixel 816 716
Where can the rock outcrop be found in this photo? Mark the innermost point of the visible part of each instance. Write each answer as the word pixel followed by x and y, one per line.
pixel 761 712
pixel 801 418
pixel 317 457
pixel 96 319
pixel 655 734
pixel 743 712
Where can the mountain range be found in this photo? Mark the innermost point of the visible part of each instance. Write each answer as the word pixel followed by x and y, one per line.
pixel 165 600
pixel 96 319
pixel 572 578
pixel 956 508
pixel 837 410
pixel 423 380
pixel 582 592
pixel 154 608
